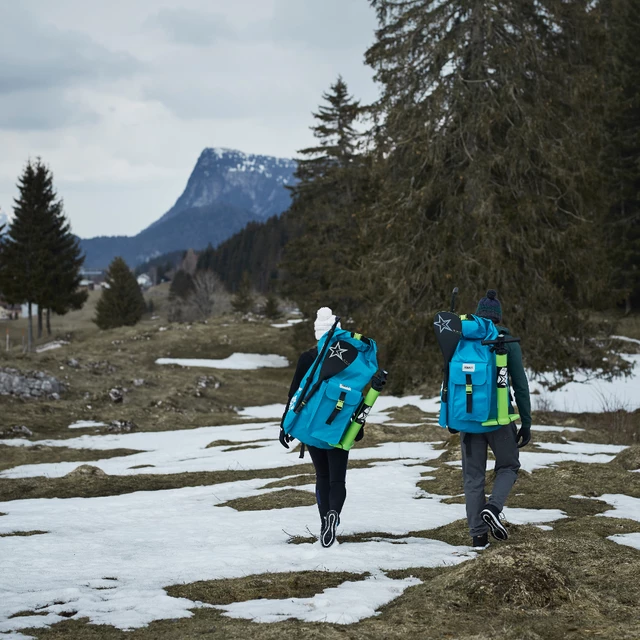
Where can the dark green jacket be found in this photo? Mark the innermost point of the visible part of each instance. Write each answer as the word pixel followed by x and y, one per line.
pixel 519 382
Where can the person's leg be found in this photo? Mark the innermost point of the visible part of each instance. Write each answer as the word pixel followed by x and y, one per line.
pixel 504 445
pixel 474 467
pixel 320 461
pixel 338 461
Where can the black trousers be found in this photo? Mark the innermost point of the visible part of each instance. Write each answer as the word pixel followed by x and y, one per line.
pixel 331 475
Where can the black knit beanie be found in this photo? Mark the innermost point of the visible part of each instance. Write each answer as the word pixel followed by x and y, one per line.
pixel 489 307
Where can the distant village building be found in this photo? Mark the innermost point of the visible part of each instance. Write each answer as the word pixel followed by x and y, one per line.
pixel 9 311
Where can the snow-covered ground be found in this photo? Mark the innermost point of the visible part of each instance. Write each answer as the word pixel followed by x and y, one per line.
pixel 244 361
pixel 110 558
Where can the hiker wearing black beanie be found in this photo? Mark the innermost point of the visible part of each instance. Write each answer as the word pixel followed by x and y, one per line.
pixel 483 514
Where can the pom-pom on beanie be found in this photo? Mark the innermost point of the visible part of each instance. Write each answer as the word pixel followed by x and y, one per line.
pixel 324 321
pixel 489 307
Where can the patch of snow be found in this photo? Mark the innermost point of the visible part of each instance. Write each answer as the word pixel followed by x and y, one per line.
pixel 530 461
pixel 84 424
pixel 581 447
pixel 56 344
pixel 287 324
pixel 348 603
pixel 542 427
pixel 593 395
pixel 624 507
pixel 626 339
pixel 243 361
pixel 263 411
pixel 186 450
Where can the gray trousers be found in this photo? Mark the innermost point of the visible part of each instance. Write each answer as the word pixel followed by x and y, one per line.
pixel 474 466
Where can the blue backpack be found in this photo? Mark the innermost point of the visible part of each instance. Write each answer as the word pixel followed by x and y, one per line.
pixel 331 391
pixel 472 397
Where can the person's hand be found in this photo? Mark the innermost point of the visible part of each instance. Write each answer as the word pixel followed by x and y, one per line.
pixel 284 438
pixel 379 380
pixel 524 436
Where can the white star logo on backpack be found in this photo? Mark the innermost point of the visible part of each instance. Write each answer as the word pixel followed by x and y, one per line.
pixel 337 351
pixel 443 324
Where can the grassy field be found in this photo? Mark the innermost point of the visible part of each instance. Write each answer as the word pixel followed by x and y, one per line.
pixel 568 582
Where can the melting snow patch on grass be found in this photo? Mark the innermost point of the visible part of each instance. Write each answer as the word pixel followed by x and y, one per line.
pixel 348 603
pixel 189 450
pixel 110 558
pixel 624 507
pixel 567 452
pixel 543 427
pixel 594 395
pixel 287 324
pixel 272 411
pixel 240 361
pixel 56 344
pixel 85 424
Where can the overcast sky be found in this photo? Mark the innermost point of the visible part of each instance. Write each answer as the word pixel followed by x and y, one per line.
pixel 119 97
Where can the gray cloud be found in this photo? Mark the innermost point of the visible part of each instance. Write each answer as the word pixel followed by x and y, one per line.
pixel 24 111
pixel 192 27
pixel 39 63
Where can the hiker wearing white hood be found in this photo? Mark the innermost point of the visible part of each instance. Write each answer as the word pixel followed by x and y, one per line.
pixel 330 464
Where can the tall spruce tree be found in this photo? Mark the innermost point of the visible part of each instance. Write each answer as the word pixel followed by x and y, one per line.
pixel 621 160
pixel 322 258
pixel 122 302
pixel 490 124
pixel 40 258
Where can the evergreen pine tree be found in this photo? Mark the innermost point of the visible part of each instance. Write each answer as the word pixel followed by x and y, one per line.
pixel 122 302
pixel 490 124
pixel 243 301
pixel 61 293
pixel 321 258
pixel 40 258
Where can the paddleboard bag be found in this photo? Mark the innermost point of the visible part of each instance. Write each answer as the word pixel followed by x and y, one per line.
pixel 475 393
pixel 328 409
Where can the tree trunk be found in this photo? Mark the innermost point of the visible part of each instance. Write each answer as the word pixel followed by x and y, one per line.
pixel 30 329
pixel 39 321
pixel 48 322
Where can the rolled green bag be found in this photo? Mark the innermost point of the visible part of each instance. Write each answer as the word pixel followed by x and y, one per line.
pixel 360 416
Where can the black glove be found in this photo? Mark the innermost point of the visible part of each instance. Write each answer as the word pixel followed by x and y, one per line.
pixel 360 434
pixel 379 380
pixel 524 436
pixel 284 438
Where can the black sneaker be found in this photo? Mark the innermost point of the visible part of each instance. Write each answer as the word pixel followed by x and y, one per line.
pixel 480 542
pixel 328 535
pixel 491 516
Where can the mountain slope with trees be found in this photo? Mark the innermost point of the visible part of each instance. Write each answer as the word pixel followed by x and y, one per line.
pixel 226 190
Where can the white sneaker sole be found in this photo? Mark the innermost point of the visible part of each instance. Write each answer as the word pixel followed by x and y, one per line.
pixel 496 527
pixel 329 534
